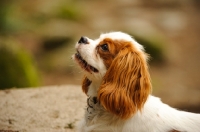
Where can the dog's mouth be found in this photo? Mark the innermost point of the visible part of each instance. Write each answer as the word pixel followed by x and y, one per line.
pixel 84 64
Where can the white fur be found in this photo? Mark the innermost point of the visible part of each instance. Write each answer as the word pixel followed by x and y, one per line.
pixel 121 36
pixel 154 117
pixel 89 54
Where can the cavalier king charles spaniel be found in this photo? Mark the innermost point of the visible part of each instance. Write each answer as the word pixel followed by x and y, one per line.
pixel 118 86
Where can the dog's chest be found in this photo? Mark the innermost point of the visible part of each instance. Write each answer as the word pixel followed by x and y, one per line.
pixel 93 110
pixel 95 113
pixel 96 116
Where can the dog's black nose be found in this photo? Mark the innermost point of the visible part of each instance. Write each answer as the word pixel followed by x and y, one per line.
pixel 83 40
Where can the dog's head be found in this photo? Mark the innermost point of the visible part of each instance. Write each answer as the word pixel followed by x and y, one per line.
pixel 119 63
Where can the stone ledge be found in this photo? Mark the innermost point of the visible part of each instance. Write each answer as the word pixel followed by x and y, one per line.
pixel 45 109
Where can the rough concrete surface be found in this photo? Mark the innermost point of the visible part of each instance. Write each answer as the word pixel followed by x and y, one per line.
pixel 45 109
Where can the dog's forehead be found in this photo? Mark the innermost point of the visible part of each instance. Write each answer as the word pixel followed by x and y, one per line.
pixel 121 36
pixel 116 36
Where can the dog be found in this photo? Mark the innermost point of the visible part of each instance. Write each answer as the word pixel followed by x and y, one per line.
pixel 118 86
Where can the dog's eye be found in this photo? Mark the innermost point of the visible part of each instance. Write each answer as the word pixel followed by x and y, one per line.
pixel 104 47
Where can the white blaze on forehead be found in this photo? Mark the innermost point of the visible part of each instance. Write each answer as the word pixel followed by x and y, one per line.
pixel 121 36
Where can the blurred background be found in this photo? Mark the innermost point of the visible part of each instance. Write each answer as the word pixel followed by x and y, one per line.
pixel 37 41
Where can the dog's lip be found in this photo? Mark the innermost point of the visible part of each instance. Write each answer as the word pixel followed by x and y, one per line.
pixel 84 64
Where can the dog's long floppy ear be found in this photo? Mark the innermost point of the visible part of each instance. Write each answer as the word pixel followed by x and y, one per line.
pixel 126 85
pixel 85 84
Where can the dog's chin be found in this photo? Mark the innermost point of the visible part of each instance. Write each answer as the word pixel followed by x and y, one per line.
pixel 84 65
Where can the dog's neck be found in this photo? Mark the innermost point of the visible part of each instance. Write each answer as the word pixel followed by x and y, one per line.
pixel 93 88
pixel 93 105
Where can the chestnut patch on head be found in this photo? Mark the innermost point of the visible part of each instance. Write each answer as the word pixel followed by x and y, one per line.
pixel 85 84
pixel 108 49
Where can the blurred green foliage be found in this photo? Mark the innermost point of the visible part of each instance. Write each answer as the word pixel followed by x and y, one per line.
pixel 23 20
pixel 69 12
pixel 17 68
pixel 25 16
pixel 153 45
pixel 11 19
pixel 49 29
pixel 3 15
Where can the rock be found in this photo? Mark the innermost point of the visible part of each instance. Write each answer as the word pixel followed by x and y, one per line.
pixel 53 108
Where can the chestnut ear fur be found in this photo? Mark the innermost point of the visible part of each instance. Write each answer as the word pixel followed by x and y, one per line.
pixel 126 85
pixel 85 84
